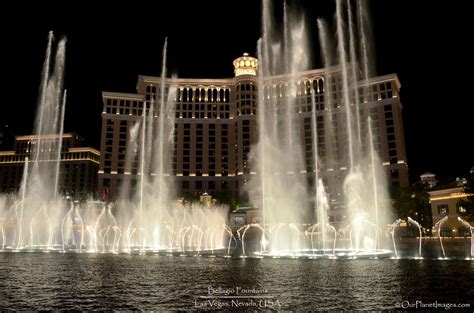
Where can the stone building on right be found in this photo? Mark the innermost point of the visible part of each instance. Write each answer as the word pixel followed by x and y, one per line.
pixel 450 217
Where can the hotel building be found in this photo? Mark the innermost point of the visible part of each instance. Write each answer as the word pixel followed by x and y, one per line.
pixel 216 126
pixel 78 165
pixel 450 218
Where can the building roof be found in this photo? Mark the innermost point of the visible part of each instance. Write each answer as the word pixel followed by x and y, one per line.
pixel 450 185
pixel 44 137
pixel 427 174
pixel 244 209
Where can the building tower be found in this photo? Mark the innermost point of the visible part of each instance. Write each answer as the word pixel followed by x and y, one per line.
pixel 245 82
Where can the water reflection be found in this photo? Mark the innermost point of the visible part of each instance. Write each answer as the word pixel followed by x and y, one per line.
pixel 41 281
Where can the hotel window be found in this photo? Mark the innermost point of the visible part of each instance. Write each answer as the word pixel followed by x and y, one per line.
pixel 442 208
pixel 461 210
pixel 394 174
pixel 464 231
pixel 198 184
pixel 185 184
pixel 445 232
pixel 212 185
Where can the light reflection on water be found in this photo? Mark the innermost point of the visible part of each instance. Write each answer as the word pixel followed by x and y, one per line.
pixel 93 281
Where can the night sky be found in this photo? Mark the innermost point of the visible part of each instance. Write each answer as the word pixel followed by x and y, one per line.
pixel 426 44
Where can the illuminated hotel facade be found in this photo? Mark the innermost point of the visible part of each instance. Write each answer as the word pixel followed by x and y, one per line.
pixel 216 126
pixel 78 165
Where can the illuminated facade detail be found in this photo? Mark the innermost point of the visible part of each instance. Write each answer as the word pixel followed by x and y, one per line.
pixel 447 211
pixel 453 195
pixel 78 166
pixel 246 65
pixel 216 126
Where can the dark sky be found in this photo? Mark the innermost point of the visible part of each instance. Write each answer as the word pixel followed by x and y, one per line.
pixel 425 42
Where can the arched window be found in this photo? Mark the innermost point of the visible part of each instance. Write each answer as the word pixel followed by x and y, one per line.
pixel 315 85
pixel 308 87
pixel 209 95
pixel 185 95
pixel 178 94
pixel 227 95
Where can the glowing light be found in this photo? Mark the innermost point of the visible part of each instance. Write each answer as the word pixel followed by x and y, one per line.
pixel 454 195
pixel 239 72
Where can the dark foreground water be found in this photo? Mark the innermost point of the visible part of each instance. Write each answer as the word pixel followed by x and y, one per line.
pixel 41 281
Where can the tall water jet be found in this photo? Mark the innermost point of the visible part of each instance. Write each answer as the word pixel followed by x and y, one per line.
pixel 142 174
pixel 261 119
pixel 22 203
pixel 353 58
pixel 164 131
pixel 327 62
pixel 320 200
pixel 355 180
pixel 41 180
pixel 277 131
pixel 60 147
pixel 374 181
pixel 42 93
pixel 341 49
pixel 149 142
pixel 365 31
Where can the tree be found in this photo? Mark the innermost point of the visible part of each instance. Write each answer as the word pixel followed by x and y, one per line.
pixel 402 201
pixel 468 204
pixel 412 202
pixel 228 198
pixel 190 197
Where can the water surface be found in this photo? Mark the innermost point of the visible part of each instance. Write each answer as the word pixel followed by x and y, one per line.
pixel 45 281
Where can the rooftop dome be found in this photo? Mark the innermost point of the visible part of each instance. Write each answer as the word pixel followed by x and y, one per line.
pixel 245 65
